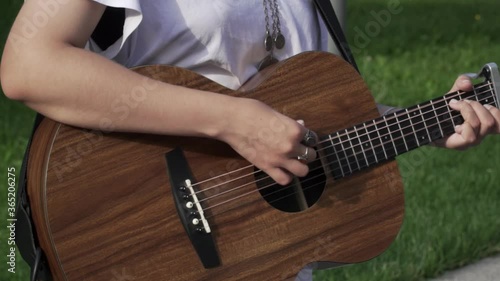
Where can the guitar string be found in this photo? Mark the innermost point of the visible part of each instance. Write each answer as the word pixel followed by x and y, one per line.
pixel 341 143
pixel 348 158
pixel 368 164
pixel 278 199
pixel 355 155
pixel 407 112
pixel 282 188
pixel 389 133
pixel 264 196
pixel 339 136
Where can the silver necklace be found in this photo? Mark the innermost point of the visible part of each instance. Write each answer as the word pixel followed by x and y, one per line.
pixel 273 38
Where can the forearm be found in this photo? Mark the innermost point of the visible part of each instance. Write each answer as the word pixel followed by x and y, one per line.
pixel 80 88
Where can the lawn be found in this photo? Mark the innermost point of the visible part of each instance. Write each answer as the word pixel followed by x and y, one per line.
pixel 452 198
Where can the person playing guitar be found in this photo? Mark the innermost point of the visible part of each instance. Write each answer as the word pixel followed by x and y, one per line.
pixel 51 64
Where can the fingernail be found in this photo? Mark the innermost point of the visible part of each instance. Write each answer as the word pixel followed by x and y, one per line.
pixel 487 106
pixel 458 127
pixel 465 81
pixel 468 101
pixel 453 101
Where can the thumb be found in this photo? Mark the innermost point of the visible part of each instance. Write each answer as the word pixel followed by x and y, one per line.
pixel 463 83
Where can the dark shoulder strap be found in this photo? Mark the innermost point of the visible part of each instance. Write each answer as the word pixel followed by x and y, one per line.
pixel 332 23
pixel 26 240
pixel 110 27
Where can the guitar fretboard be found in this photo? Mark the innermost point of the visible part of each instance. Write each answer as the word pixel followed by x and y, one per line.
pixel 386 137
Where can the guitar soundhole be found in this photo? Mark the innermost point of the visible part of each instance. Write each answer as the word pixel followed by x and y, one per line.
pixel 299 195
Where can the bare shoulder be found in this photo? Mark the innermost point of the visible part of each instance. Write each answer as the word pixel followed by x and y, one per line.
pixel 41 28
pixel 55 21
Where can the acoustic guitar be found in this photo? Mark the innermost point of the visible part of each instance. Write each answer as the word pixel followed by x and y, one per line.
pixel 124 206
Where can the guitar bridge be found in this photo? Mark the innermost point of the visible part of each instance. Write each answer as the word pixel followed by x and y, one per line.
pixel 196 203
pixel 189 208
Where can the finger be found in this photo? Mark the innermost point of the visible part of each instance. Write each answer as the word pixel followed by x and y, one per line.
pixel 279 176
pixel 463 137
pixel 469 136
pixel 467 113
pixel 486 119
pixel 463 83
pixel 297 168
pixel 298 132
pixel 301 151
pixel 495 112
pixel 310 138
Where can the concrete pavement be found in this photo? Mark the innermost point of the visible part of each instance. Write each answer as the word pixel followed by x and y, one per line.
pixel 484 270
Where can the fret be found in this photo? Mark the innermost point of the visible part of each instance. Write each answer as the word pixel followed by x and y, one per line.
pixel 451 117
pixel 450 110
pixel 475 94
pixel 425 122
pixel 444 116
pixel 396 134
pixel 362 143
pixel 381 142
pixel 415 126
pixel 496 104
pixel 346 159
pixel 387 131
pixel 435 133
pixel 365 139
pixel 487 96
pixel 408 131
pixel 336 159
pixel 352 139
pixel 366 146
pixel 418 125
pixel 466 95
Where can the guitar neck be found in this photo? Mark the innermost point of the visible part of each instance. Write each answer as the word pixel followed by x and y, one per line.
pixel 386 137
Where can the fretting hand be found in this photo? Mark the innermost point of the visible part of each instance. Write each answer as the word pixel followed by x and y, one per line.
pixel 479 120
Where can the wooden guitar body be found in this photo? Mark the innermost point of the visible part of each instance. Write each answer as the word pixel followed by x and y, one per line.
pixel 104 209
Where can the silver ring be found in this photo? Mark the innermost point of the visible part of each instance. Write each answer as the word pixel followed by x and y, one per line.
pixel 309 138
pixel 305 156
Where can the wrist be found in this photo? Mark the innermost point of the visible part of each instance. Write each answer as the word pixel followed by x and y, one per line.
pixel 223 111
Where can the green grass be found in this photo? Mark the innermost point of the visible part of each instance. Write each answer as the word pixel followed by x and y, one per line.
pixel 452 198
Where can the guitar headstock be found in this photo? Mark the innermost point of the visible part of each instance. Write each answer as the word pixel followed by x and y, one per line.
pixel 490 73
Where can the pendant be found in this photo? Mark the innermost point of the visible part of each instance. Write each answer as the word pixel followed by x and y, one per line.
pixel 267 61
pixel 268 42
pixel 279 41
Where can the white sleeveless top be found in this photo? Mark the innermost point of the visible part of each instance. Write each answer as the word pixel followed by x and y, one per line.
pixel 220 39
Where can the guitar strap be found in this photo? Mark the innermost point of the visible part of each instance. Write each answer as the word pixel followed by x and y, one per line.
pixel 26 238
pixel 332 23
pixel 107 31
